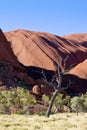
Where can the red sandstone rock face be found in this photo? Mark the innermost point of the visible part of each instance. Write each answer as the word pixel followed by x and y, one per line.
pixel 78 78
pixel 39 90
pixel 10 69
pixel 81 38
pixel 42 49
pixel 80 70
pixel 6 53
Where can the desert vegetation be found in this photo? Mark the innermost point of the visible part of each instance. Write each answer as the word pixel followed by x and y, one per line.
pixel 60 121
pixel 16 100
pixel 20 101
pixel 19 110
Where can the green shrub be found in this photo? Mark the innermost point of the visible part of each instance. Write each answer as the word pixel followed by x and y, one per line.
pixel 42 113
pixel 76 104
pixel 17 97
pixel 45 99
pixel 20 112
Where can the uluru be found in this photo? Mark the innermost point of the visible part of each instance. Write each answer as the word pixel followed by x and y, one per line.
pixel 26 53
pixel 42 49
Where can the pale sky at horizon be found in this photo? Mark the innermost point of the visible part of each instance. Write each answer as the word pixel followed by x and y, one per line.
pixel 60 17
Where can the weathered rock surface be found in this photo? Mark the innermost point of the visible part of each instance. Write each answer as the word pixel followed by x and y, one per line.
pixel 11 71
pixel 80 70
pixel 23 53
pixel 43 49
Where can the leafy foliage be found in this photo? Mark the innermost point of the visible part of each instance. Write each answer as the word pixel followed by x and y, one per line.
pixel 18 99
pixel 79 104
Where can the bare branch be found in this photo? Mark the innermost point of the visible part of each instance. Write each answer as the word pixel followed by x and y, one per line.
pixel 60 70
pixel 44 76
pixel 65 62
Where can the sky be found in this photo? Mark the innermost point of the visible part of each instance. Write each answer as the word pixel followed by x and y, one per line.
pixel 59 17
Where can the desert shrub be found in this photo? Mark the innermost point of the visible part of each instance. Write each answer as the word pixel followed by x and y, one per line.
pixel 58 104
pixel 18 99
pixel 67 103
pixel 77 104
pixel 20 112
pixel 84 100
pixel 42 113
pixel 45 99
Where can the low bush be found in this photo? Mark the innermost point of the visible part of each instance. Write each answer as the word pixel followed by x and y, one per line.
pixel 16 100
pixel 20 101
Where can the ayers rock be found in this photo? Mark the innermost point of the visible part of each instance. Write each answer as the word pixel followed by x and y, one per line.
pixel 43 49
pixel 23 50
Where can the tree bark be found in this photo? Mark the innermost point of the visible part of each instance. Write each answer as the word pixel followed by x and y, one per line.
pixel 51 103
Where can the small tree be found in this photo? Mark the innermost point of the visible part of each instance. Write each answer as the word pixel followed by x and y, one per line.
pixel 76 104
pixel 60 70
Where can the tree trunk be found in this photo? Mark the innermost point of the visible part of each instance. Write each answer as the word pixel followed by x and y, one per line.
pixel 51 103
pixel 77 110
pixel 59 73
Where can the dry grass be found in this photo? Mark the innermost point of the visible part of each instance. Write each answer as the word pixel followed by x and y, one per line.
pixel 55 122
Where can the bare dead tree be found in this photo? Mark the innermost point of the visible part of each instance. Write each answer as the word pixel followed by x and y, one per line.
pixel 61 69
